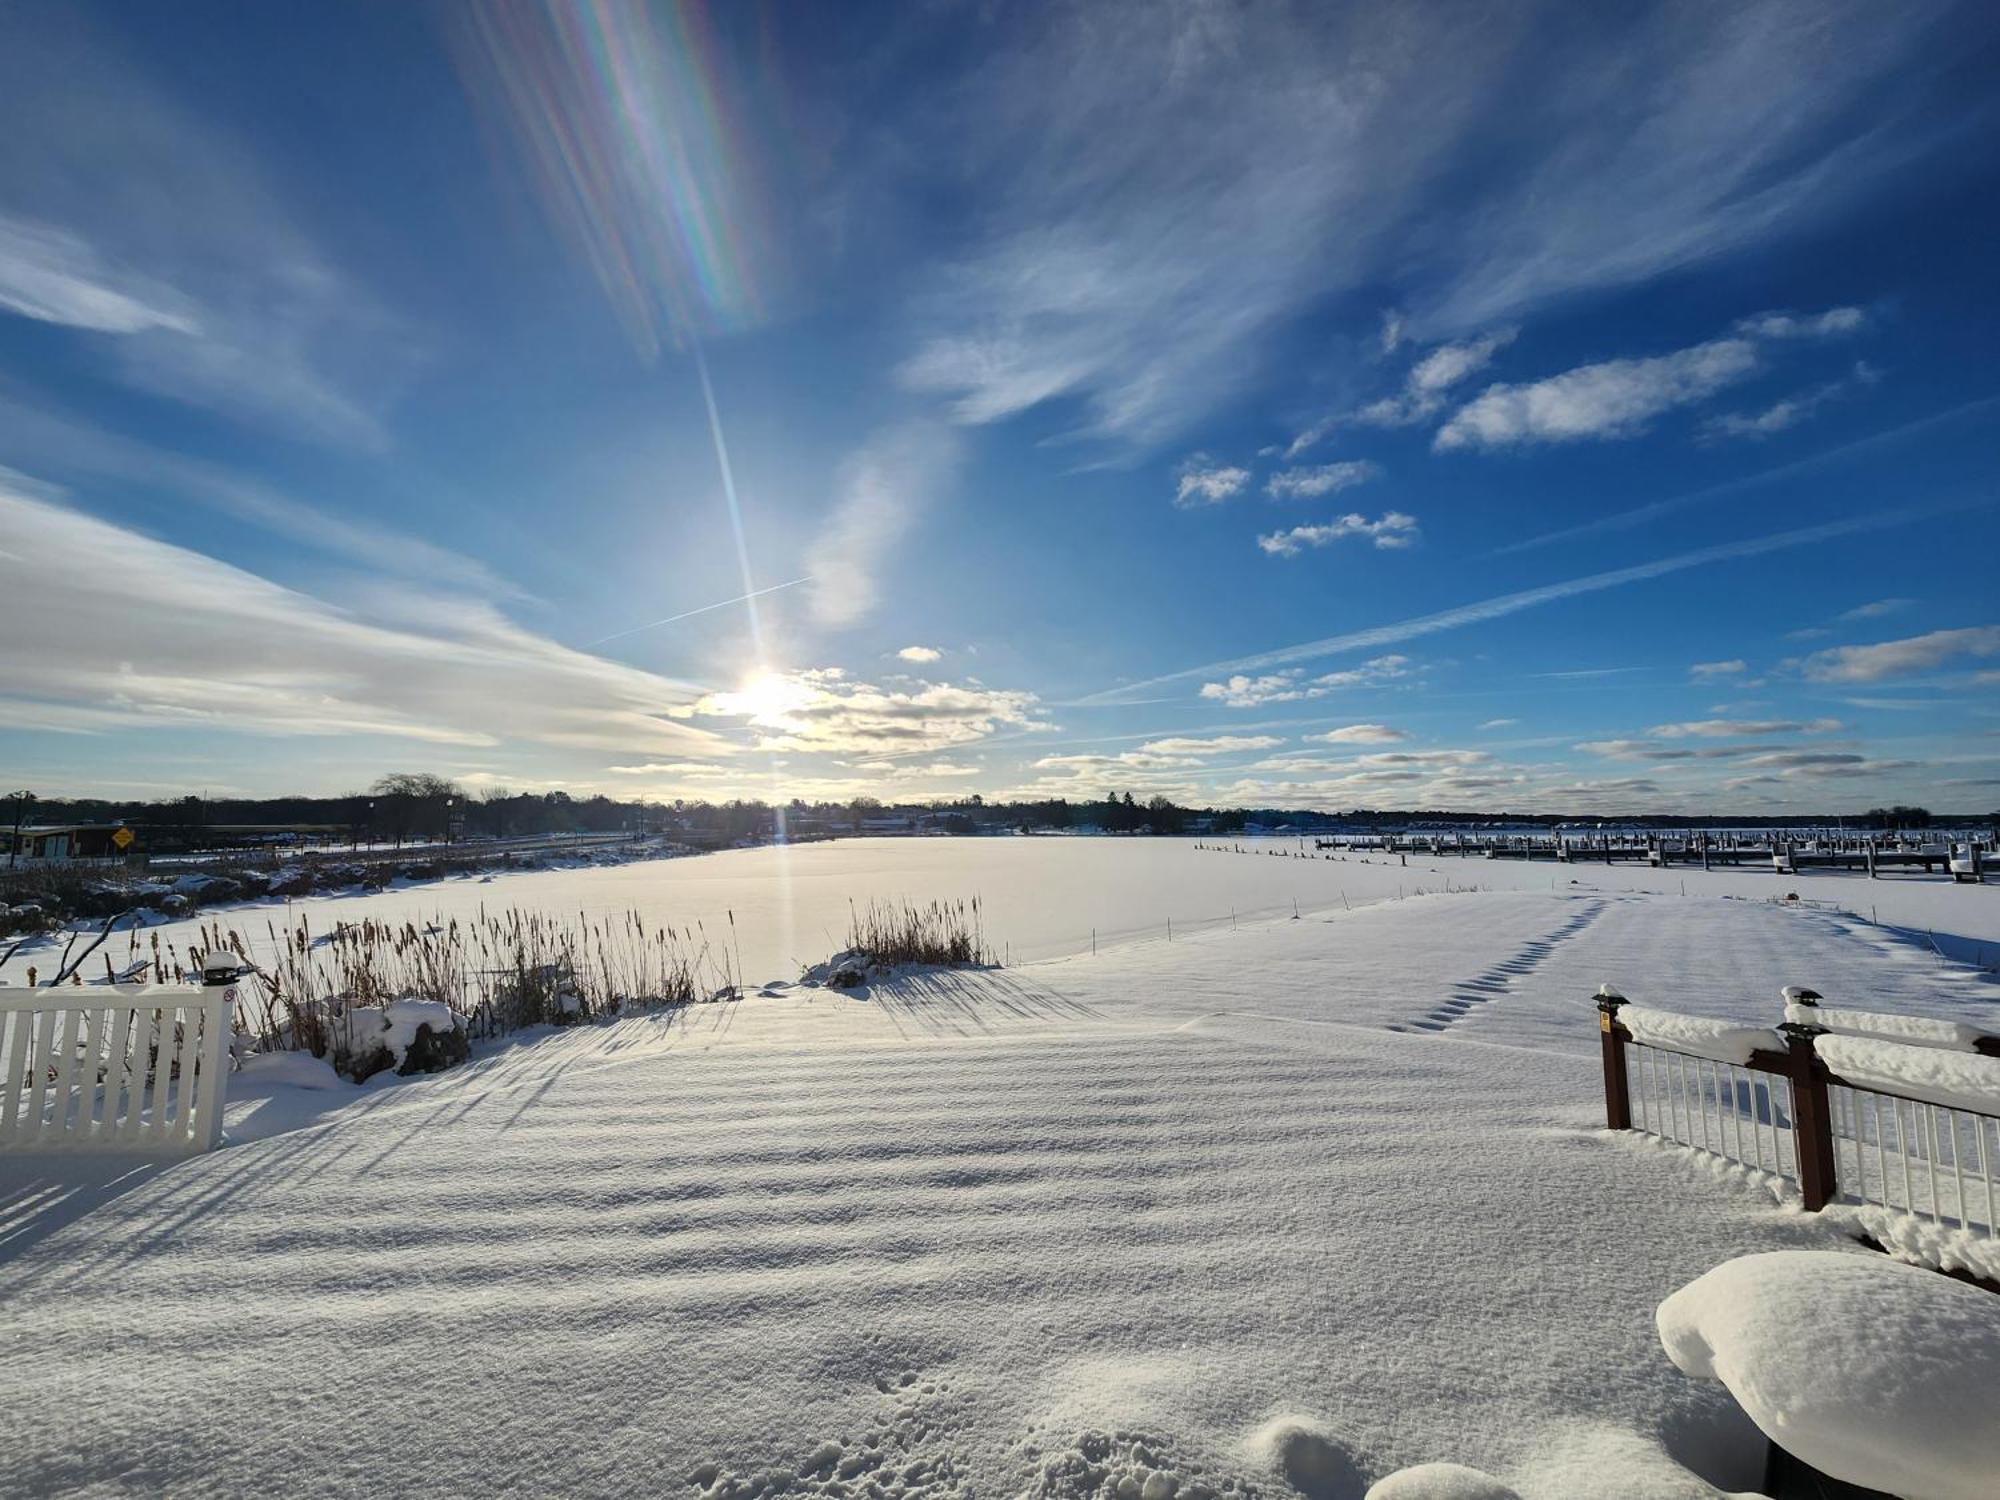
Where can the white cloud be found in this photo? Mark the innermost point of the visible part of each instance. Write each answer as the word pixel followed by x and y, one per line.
pixel 1876 609
pixel 1225 744
pixel 1253 692
pixel 1325 479
pixel 1288 687
pixel 920 653
pixel 1394 530
pixel 110 630
pixel 1499 723
pixel 1706 671
pixel 1917 653
pixel 1362 734
pixel 880 490
pixel 1833 323
pixel 1616 398
pixel 1200 480
pixel 1423 393
pixel 822 709
pixel 1720 728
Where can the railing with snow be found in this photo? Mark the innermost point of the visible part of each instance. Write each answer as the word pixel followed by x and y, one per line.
pixel 1899 1112
pixel 116 1067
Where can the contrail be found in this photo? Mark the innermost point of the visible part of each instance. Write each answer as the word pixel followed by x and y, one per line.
pixel 689 614
pixel 1644 513
pixel 1508 604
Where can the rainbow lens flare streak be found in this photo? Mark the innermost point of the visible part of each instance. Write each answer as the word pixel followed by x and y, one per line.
pixel 639 151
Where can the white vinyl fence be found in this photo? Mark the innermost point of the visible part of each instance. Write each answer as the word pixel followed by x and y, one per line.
pixel 126 1067
pixel 1930 1160
pixel 1736 1113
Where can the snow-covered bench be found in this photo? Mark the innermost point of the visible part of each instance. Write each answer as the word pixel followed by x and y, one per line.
pixel 1895 1116
pixel 116 1067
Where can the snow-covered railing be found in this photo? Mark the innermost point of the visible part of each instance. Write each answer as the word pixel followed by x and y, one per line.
pixel 116 1067
pixel 1898 1112
pixel 1803 1008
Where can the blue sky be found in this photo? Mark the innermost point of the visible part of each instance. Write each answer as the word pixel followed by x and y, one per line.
pixel 1485 406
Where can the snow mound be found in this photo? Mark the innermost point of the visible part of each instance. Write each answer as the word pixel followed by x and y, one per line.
pixel 1958 1080
pixel 1307 1456
pixel 1918 1031
pixel 1870 1370
pixel 1720 1041
pixel 285 1070
pixel 1439 1482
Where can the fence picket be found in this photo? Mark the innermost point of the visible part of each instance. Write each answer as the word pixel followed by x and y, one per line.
pixel 117 1071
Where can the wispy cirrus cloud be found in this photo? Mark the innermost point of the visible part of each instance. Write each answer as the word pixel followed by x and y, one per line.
pixel 161 238
pixel 57 277
pixel 1835 322
pixel 1391 531
pixel 1875 609
pixel 1266 160
pixel 110 630
pixel 1789 411
pixel 879 491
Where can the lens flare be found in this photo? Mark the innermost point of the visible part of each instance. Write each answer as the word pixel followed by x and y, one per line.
pixel 639 148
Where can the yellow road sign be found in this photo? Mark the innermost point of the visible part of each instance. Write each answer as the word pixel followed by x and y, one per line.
pixel 123 838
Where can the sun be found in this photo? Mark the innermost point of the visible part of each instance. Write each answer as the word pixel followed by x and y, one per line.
pixel 769 698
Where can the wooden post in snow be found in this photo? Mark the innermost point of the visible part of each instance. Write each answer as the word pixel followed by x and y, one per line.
pixel 1617 1091
pixel 1812 1117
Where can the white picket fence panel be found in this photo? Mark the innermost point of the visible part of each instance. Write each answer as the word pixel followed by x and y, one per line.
pixel 114 1067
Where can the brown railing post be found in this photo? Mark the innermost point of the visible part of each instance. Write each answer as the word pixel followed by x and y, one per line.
pixel 1617 1094
pixel 1812 1117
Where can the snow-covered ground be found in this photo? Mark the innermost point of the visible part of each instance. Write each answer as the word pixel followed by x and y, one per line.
pixel 1278 1210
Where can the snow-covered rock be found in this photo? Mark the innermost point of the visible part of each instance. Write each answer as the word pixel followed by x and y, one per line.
pixel 1720 1041
pixel 407 1035
pixel 846 970
pixel 1870 1370
pixel 1958 1080
pixel 1917 1031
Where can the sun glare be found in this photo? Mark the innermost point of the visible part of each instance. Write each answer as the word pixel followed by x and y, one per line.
pixel 768 697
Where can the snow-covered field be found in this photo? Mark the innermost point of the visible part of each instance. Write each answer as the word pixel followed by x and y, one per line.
pixel 1277 1209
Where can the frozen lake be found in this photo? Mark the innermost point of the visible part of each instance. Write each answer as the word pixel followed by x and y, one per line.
pixel 1047 897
